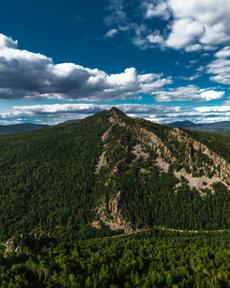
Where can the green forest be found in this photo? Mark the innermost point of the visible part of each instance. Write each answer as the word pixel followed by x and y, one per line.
pixel 50 192
pixel 48 180
pixel 156 259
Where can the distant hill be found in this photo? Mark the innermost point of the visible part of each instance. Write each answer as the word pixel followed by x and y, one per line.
pixel 113 172
pixel 183 124
pixel 17 128
pixel 223 126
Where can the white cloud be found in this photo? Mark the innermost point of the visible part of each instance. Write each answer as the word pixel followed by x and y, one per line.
pixel 184 32
pixel 24 74
pixel 156 38
pixel 193 25
pixel 59 108
pixel 192 77
pixel 7 42
pixel 210 95
pixel 188 93
pixel 216 109
pixel 111 33
pixel 127 77
pixel 211 21
pixel 223 53
pixel 219 68
pixel 193 48
pixel 159 9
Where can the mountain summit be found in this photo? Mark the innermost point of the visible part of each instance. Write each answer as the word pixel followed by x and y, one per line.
pixel 111 172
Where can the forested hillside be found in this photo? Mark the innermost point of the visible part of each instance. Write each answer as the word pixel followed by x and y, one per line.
pixel 110 173
pixel 17 128
pixel 146 260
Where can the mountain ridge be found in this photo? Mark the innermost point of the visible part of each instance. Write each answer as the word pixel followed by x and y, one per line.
pixel 223 126
pixel 150 139
pixel 19 128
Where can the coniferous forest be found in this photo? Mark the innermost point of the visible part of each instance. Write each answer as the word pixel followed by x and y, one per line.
pixel 56 183
pixel 156 259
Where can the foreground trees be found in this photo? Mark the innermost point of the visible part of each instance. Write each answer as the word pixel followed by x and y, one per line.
pixel 164 260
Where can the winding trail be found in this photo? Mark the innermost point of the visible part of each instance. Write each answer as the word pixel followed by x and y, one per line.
pixel 165 229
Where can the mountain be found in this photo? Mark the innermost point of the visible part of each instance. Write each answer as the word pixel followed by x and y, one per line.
pixel 223 126
pixel 109 172
pixel 183 124
pixel 17 128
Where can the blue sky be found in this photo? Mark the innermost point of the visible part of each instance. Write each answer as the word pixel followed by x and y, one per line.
pixel 163 60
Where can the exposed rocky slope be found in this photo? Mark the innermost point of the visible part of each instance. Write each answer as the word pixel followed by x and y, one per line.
pixel 170 149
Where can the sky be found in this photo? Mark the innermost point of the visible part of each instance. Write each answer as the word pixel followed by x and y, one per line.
pixel 162 60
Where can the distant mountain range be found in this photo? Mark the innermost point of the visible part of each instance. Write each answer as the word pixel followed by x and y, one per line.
pixel 223 126
pixel 17 128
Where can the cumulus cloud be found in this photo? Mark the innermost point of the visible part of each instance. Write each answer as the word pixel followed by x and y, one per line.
pixel 221 71
pixel 188 93
pixel 24 74
pixel 184 32
pixel 220 67
pixel 210 19
pixel 7 42
pixel 193 25
pixel 159 9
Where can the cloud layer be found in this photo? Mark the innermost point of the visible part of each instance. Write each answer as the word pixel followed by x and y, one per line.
pixel 25 74
pixel 29 75
pixel 56 113
pixel 188 93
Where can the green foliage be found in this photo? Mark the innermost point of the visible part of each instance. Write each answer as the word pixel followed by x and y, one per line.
pixel 158 260
pixel 49 190
pixel 47 178
pixel 219 143
pixel 150 200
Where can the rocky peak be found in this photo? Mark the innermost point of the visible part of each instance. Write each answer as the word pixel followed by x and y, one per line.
pixel 115 112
